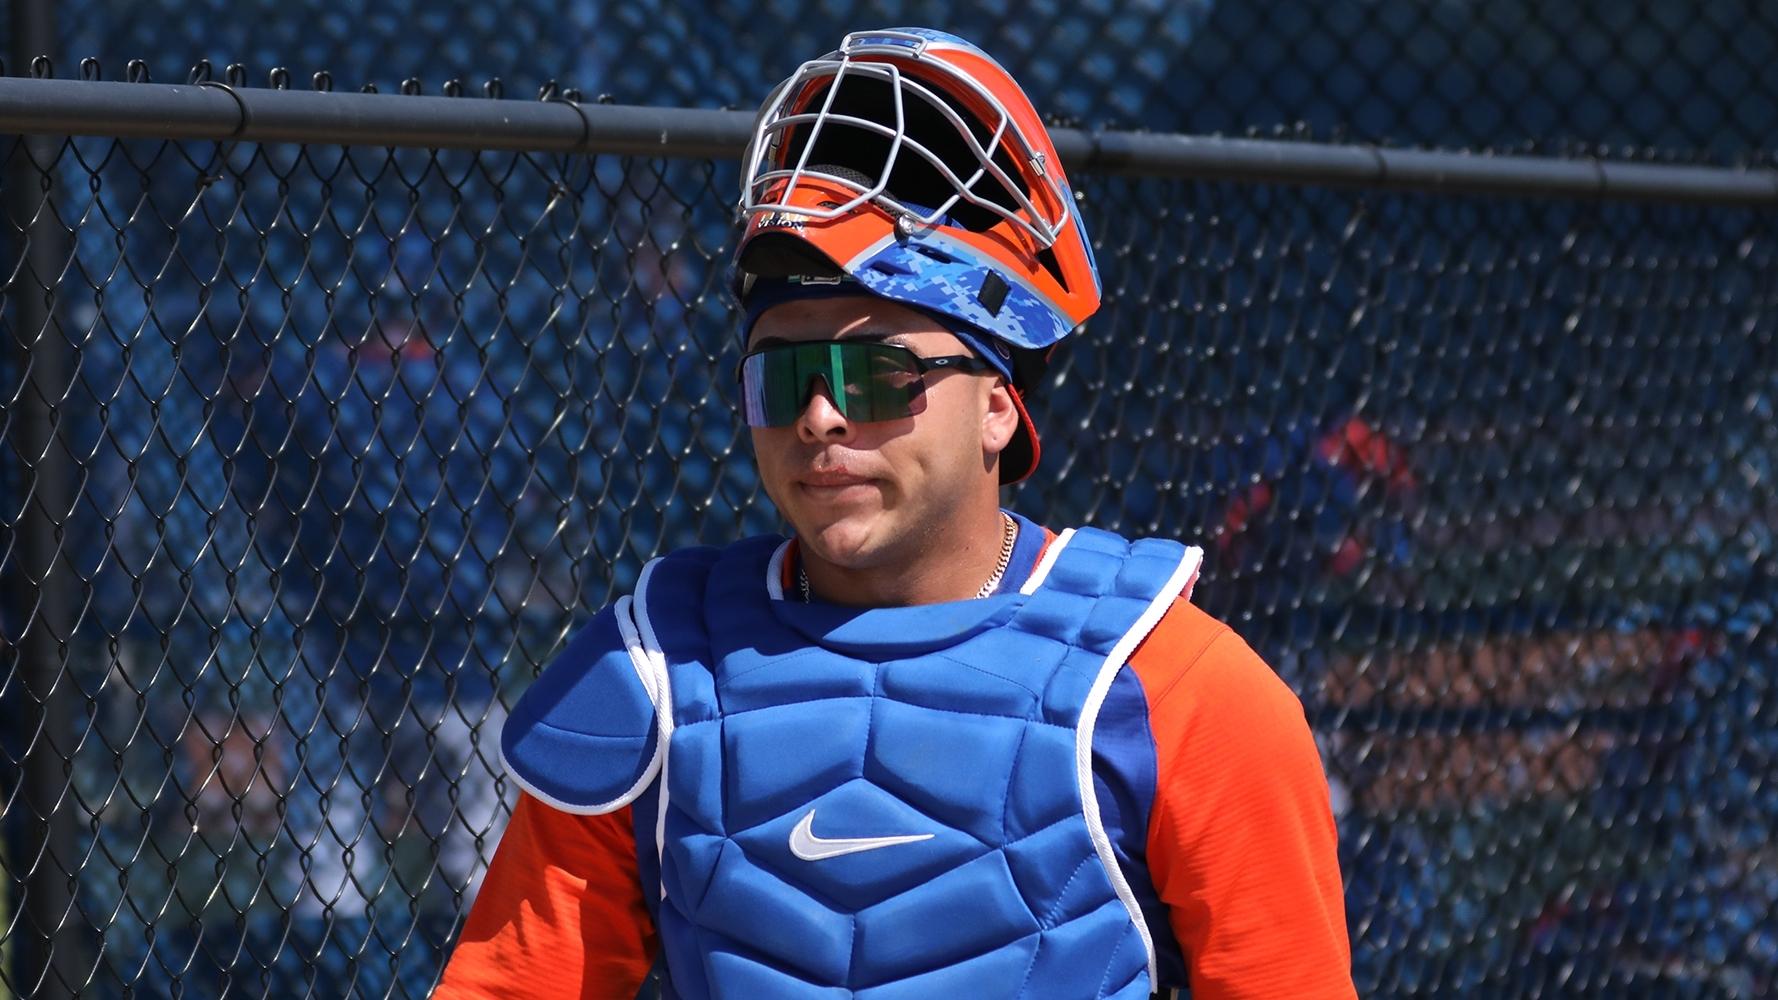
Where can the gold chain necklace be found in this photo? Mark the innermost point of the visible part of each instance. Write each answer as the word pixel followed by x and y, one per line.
pixel 1009 533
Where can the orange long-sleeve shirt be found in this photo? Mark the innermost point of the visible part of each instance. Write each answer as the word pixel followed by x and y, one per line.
pixel 1241 849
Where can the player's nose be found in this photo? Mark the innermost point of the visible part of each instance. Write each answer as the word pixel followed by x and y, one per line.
pixel 821 418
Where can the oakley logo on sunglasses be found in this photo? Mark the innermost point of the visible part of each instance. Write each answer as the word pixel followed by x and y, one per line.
pixel 867 381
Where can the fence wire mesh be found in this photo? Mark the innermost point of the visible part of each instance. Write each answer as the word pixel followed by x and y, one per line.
pixel 315 455
pixel 1645 73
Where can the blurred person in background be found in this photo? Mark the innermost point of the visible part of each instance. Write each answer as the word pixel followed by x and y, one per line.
pixel 923 747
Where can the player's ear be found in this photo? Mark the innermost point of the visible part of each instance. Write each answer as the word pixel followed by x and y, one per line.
pixel 1000 419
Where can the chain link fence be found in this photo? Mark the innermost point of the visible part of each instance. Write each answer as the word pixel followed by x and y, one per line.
pixel 314 454
pixel 1665 74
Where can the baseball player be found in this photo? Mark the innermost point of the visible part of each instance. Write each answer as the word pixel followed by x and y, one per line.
pixel 923 747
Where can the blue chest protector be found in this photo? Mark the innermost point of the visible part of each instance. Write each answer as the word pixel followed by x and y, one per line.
pixel 885 803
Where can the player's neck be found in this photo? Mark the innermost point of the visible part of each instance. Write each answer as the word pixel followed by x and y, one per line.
pixel 948 565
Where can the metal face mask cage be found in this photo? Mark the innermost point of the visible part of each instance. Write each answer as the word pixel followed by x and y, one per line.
pixel 761 190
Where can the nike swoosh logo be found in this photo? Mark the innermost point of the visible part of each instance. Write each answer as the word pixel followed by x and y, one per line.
pixel 805 845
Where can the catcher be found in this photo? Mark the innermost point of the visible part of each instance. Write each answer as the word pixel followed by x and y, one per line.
pixel 924 747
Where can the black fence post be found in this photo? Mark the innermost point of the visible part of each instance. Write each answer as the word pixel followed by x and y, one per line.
pixel 45 955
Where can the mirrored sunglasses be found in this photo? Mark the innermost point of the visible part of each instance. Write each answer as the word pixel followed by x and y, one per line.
pixel 868 381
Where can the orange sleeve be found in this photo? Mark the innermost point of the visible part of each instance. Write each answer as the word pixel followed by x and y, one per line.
pixel 1242 844
pixel 560 913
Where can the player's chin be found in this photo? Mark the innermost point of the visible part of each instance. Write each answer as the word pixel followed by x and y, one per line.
pixel 845 537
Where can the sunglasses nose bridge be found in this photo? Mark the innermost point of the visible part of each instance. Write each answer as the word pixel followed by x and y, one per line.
pixel 820 409
pixel 817 383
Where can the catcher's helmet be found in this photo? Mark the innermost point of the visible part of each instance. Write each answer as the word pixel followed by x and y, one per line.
pixel 910 162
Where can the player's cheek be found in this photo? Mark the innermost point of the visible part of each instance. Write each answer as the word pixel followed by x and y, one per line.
pixel 769 459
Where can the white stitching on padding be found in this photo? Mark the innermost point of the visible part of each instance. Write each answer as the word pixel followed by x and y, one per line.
pixel 1184 576
pixel 1047 562
pixel 626 627
pixel 663 713
pixel 775 572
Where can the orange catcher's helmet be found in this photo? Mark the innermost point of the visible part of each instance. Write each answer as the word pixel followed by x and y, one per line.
pixel 910 162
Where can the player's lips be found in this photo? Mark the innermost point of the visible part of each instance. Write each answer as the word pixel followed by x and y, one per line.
pixel 832 477
pixel 834 484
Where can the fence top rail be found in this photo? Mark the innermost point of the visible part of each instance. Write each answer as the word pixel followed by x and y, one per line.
pixel 215 111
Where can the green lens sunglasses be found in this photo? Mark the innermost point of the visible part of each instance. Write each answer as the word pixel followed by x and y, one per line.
pixel 868 381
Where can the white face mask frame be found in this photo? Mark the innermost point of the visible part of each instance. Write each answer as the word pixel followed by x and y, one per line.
pixel 759 176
